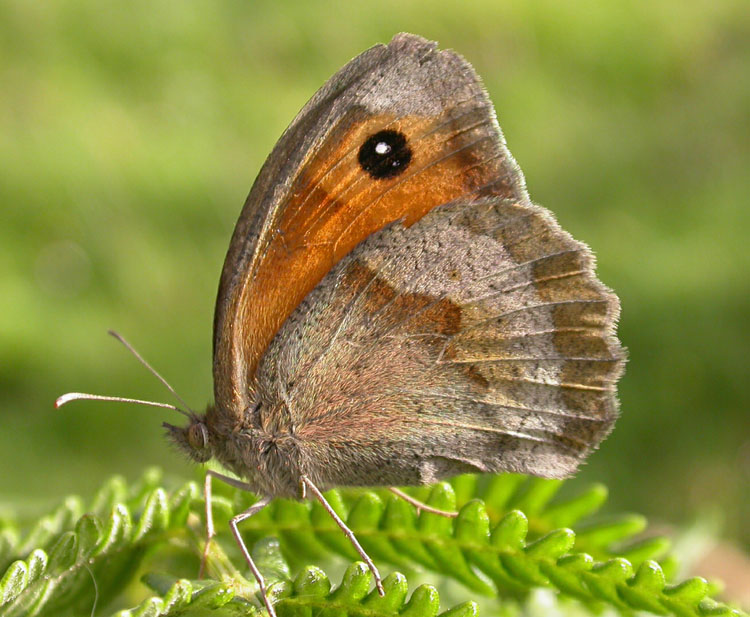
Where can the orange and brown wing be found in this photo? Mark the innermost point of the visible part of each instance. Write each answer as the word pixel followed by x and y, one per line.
pixel 400 130
pixel 394 302
pixel 478 339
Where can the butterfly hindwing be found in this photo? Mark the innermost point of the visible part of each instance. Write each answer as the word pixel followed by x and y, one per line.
pixel 443 348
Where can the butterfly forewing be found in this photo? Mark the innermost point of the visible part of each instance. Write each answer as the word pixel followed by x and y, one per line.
pixel 303 224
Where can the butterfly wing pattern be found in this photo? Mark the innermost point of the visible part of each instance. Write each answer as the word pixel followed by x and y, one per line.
pixel 394 308
pixel 312 202
pixel 475 340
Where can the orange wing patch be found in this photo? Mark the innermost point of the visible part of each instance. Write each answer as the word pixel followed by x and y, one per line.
pixel 334 204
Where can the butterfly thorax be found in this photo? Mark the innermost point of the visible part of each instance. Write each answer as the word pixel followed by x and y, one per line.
pixel 266 456
pixel 264 453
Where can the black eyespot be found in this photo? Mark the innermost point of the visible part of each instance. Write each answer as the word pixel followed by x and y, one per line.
pixel 385 154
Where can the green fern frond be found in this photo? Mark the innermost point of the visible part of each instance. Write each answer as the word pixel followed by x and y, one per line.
pixel 95 555
pixel 309 593
pixel 510 537
pixel 391 531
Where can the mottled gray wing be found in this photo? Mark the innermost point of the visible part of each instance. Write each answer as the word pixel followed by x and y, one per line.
pixel 478 339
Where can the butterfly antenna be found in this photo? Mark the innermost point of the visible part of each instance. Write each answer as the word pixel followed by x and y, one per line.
pixel 82 396
pixel 152 370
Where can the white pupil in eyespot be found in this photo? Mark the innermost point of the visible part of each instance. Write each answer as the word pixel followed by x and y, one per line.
pixel 382 148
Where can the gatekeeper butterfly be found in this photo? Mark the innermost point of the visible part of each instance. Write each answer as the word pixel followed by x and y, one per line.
pixel 393 309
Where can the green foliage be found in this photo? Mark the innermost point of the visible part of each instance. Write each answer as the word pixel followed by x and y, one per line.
pixel 510 537
pixel 67 558
pixel 310 591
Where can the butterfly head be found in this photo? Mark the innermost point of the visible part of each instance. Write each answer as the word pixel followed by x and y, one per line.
pixel 192 439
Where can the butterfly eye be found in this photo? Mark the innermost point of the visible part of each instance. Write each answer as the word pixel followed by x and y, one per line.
pixel 197 436
pixel 385 154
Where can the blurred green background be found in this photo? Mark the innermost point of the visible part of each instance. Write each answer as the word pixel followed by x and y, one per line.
pixel 131 131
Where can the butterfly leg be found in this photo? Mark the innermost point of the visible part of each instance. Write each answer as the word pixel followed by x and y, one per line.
pixel 420 506
pixel 254 509
pixel 210 531
pixel 307 484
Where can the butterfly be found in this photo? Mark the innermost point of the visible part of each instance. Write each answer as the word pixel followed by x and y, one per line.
pixel 393 309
